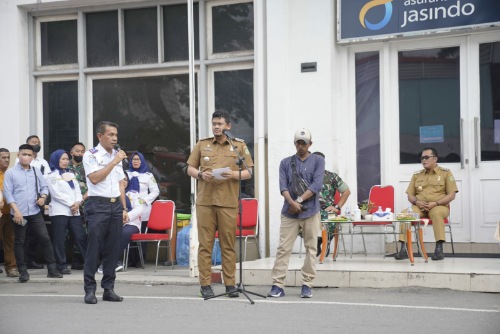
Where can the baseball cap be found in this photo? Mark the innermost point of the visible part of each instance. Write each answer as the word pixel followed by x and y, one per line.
pixel 303 134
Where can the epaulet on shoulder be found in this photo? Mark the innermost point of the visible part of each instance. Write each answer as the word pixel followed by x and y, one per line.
pixel 207 138
pixel 419 171
pixel 239 139
pixel 93 150
pixel 444 169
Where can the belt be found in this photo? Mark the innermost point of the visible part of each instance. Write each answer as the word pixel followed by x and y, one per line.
pixel 104 199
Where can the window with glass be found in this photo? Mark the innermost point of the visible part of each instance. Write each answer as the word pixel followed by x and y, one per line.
pixel 489 72
pixel 175 32
pixel 60 115
pixel 429 103
pixel 150 105
pixel 102 38
pixel 233 94
pixel 232 27
pixel 58 42
pixel 367 122
pixel 141 36
pixel 153 118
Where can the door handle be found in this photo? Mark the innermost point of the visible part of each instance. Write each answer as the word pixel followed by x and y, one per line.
pixel 476 141
pixel 462 164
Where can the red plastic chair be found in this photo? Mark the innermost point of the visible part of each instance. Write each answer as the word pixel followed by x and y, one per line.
pixel 380 196
pixel 249 223
pixel 162 218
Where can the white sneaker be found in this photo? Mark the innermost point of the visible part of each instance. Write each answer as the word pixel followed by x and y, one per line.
pixel 99 270
pixel 119 267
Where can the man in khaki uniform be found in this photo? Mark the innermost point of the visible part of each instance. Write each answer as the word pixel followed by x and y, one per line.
pixel 430 192
pixel 217 200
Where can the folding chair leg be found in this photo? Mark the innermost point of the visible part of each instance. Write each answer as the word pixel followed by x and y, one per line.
pixel 364 244
pixel 157 253
pixel 451 237
pixel 125 260
pixel 139 247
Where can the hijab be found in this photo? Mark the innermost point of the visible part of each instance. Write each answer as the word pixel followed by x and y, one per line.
pixel 127 199
pixel 55 157
pixel 143 168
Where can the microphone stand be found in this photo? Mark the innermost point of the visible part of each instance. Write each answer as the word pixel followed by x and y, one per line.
pixel 240 287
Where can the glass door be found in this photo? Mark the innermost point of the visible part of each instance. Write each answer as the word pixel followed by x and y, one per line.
pixel 430 111
pixel 484 167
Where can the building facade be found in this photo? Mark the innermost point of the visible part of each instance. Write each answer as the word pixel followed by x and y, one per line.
pixel 374 81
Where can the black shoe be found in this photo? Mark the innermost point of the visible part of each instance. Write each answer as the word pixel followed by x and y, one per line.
pixel 1 271
pixel 206 291
pixel 34 265
pixel 52 271
pixel 24 276
pixel 438 252
pixel 402 254
pixel 111 296
pixel 90 298
pixel 77 266
pixel 65 271
pixel 231 291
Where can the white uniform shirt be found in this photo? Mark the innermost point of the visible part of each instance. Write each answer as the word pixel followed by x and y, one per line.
pixel 62 196
pixel 96 159
pixel 148 190
pixel 135 215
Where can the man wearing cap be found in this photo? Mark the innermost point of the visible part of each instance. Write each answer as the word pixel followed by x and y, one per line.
pixel 300 212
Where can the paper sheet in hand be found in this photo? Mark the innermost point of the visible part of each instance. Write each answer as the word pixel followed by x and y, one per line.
pixel 217 173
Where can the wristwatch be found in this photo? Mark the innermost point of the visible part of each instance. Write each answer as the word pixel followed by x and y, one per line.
pixel 336 206
pixel 299 200
pixel 200 175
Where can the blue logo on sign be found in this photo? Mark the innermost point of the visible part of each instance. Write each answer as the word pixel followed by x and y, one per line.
pixel 374 3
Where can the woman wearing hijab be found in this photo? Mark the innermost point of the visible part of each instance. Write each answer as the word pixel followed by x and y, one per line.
pixel 64 208
pixel 143 182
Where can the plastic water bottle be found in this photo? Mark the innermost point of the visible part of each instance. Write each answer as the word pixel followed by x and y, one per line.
pixel 357 214
pixel 347 212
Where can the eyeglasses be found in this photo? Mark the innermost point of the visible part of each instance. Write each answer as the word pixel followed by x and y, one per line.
pixel 425 157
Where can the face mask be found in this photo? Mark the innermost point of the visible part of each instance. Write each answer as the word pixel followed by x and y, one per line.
pixel 78 159
pixel 36 148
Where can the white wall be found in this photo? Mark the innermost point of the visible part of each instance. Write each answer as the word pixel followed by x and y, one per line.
pixel 14 81
pixel 297 31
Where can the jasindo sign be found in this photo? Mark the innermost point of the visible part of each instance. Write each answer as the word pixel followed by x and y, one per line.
pixel 365 19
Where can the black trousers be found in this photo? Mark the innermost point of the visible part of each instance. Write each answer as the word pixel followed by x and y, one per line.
pixel 105 225
pixel 36 227
pixel 60 227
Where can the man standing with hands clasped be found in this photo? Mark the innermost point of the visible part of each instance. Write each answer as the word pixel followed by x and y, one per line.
pixel 105 211
pixel 300 212
pixel 217 201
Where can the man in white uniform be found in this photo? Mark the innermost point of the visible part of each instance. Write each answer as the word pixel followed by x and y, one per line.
pixel 105 210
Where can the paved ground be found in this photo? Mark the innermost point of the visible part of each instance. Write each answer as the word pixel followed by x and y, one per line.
pixel 57 307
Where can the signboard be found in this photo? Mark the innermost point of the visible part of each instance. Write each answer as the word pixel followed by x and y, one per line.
pixel 371 19
pixel 431 134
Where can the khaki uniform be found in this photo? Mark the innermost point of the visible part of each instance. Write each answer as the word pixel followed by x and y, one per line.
pixel 431 186
pixel 217 205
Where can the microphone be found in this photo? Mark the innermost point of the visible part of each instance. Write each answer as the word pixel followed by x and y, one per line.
pixel 228 134
pixel 117 147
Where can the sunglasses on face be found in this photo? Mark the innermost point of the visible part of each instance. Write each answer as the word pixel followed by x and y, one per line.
pixel 426 157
